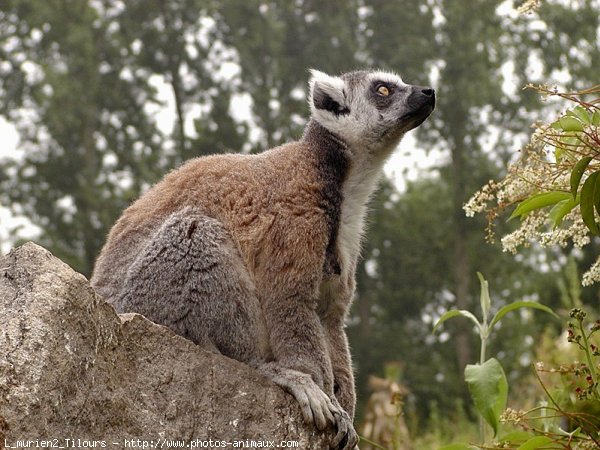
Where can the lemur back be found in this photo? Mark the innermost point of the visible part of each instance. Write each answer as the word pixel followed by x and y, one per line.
pixel 253 256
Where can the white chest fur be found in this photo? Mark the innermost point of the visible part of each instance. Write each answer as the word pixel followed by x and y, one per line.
pixel 358 188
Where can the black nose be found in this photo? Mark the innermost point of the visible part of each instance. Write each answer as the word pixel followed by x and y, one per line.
pixel 424 93
pixel 421 97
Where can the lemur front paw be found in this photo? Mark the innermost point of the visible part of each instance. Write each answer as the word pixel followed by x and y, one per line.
pixel 316 406
pixel 346 437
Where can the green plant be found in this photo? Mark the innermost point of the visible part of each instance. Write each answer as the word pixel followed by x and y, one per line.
pixel 572 135
pixel 569 416
pixel 559 171
pixel 580 336
pixel 486 381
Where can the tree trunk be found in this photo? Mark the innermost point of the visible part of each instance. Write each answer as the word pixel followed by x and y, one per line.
pixel 176 84
pixel 461 268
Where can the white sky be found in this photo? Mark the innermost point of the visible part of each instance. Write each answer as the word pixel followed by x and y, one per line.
pixel 9 139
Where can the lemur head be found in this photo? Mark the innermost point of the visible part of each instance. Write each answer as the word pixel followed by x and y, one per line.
pixel 368 108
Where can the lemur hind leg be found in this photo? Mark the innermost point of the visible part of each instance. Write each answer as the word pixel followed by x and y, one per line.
pixel 190 278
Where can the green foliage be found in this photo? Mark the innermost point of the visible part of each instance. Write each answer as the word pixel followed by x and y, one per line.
pixel 456 447
pixel 445 427
pixel 276 43
pixel 589 192
pixel 539 201
pixel 566 149
pixel 408 252
pixel 483 327
pixel 489 390
pixel 59 182
pixel 568 418
pixel 577 173
pixel 535 442
pixel 78 88
pixel 486 381
pixel 568 415
pixel 569 285
pixel 581 336
pixel 561 209
pixel 466 35
pixel 517 305
pixel 573 139
pixel 567 26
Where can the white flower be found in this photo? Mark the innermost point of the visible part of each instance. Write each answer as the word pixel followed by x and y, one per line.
pixel 592 275
pixel 479 201
pixel 529 6
pixel 545 165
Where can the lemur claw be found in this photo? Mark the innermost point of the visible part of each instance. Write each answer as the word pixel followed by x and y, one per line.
pixel 346 437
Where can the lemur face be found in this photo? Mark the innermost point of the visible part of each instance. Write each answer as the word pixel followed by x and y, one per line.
pixel 369 108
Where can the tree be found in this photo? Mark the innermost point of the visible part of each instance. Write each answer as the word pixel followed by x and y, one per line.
pixel 404 285
pixel 467 35
pixel 178 41
pixel 275 43
pixel 76 117
pixel 77 84
pixel 468 47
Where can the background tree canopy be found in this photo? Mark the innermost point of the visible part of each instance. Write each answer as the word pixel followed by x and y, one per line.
pixel 107 96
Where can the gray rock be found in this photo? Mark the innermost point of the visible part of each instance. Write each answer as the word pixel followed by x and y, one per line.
pixel 70 368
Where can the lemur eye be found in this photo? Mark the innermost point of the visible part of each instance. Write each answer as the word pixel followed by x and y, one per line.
pixel 382 90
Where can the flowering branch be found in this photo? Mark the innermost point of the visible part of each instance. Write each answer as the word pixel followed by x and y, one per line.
pixel 559 170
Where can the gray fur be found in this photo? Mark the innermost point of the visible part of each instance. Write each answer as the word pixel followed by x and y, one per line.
pixel 254 256
pixel 204 280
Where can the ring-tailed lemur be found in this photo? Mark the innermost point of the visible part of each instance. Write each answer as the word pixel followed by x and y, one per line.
pixel 253 256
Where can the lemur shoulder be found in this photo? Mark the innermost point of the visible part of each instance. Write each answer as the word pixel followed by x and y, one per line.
pixel 253 256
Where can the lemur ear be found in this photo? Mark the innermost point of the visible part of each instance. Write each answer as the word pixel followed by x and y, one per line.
pixel 327 92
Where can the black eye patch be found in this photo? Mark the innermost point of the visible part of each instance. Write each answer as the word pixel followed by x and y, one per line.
pixel 382 101
pixel 391 87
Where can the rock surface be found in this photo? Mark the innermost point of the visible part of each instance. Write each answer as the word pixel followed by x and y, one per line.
pixel 71 368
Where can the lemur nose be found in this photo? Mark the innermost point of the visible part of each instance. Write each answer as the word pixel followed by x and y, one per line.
pixel 428 92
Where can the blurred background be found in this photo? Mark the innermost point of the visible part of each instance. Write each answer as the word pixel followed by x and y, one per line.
pixel 99 98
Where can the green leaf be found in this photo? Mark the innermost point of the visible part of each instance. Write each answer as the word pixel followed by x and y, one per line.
pixel 517 305
pixel 539 201
pixel 570 124
pixel 596 118
pixel 597 195
pixel 489 390
pixel 559 152
pixel 561 209
pixel 556 125
pixel 577 173
pixel 586 203
pixel 566 144
pixel 484 299
pixel 580 113
pixel 536 443
pixel 453 313
pixel 570 142
pixel 515 437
